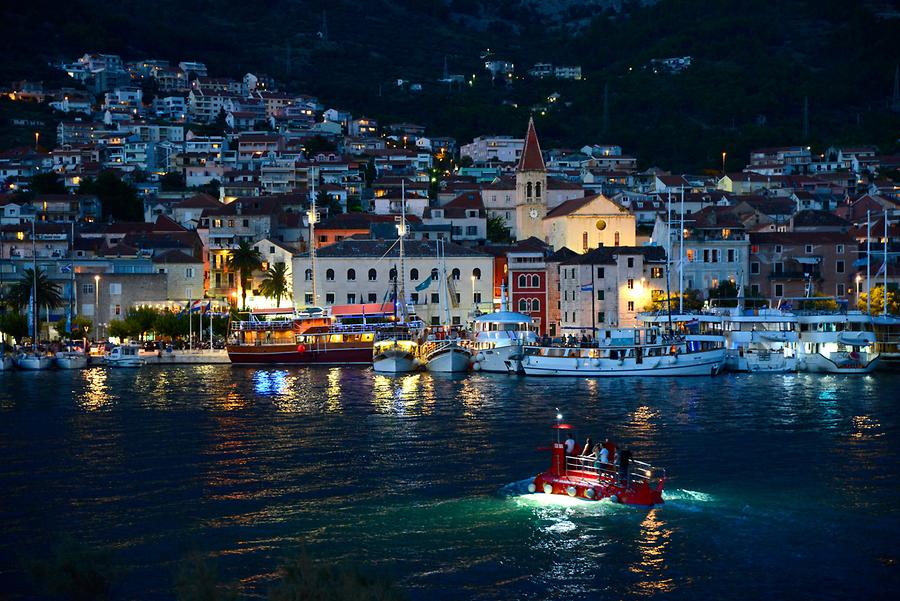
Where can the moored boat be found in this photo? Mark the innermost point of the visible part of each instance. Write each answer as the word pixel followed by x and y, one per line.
pixel 834 343
pixel 71 360
pixel 499 341
pixel 580 476
pixel 396 350
pixel 644 351
pixel 124 355
pixel 445 355
pixel 759 340
pixel 34 360
pixel 306 338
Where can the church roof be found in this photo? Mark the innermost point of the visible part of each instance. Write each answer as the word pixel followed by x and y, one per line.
pixel 532 159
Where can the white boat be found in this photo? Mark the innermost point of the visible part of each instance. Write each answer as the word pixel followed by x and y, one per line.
pixel 396 352
pixel 124 355
pixel 500 340
pixel 759 340
pixel 627 352
pixel 836 343
pixel 445 355
pixel 34 361
pixel 71 360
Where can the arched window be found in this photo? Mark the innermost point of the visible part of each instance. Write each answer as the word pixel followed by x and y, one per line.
pixel 523 281
pixel 537 190
pixel 535 281
pixel 329 275
pixel 373 275
pixel 528 190
pixel 308 275
pixel 616 243
pixel 454 274
pixel 476 273
pixel 392 275
pixel 413 275
pixel 584 240
pixel 351 275
pixel 434 274
pixel 536 305
pixel 523 306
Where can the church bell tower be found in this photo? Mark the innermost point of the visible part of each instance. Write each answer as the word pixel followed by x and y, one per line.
pixel 531 188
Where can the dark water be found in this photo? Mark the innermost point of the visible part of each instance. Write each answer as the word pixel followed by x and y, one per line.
pixel 780 486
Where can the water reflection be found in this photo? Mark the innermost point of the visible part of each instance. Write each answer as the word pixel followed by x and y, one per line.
pixel 333 391
pixel 653 545
pixel 270 383
pixel 400 393
pixel 96 389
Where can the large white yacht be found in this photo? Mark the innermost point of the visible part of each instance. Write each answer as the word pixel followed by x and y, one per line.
pixel 626 352
pixel 499 340
pixel 836 343
pixel 759 340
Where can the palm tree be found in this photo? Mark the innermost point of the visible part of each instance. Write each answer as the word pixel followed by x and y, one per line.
pixel 49 294
pixel 244 259
pixel 276 283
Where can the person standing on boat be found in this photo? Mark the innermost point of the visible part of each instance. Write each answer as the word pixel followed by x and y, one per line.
pixel 624 460
pixel 588 447
pixel 570 444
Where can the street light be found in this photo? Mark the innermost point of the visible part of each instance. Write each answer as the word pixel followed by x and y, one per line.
pixel 724 154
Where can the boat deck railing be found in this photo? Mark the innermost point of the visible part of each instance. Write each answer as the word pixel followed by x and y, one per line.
pixel 637 470
pixel 279 324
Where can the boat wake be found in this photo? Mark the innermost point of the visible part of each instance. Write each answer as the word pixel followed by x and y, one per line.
pixel 690 500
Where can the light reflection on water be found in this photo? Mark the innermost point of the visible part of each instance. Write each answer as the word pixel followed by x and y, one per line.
pixel 401 474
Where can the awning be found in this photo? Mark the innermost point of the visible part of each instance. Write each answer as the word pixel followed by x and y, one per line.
pixel 361 309
pixel 808 260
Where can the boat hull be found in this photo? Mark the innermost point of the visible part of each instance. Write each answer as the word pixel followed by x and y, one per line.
pixel 501 359
pixel 696 364
pixel 71 361
pixel 771 362
pixel 819 364
pixel 32 363
pixel 290 355
pixel 397 361
pixel 590 487
pixel 451 360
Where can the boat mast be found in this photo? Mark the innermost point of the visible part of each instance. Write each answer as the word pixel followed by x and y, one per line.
pixel 442 253
pixel 868 262
pixel 681 259
pixel 401 275
pixel 884 289
pixel 73 299
pixel 34 305
pixel 669 258
pixel 312 217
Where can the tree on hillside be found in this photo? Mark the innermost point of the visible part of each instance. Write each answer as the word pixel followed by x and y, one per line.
pixel 47 183
pixel 244 260
pixel 118 198
pixel 276 283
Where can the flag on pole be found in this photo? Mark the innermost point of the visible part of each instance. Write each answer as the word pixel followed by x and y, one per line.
pixel 425 284
pixel 197 305
pixel 67 268
pixel 587 287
